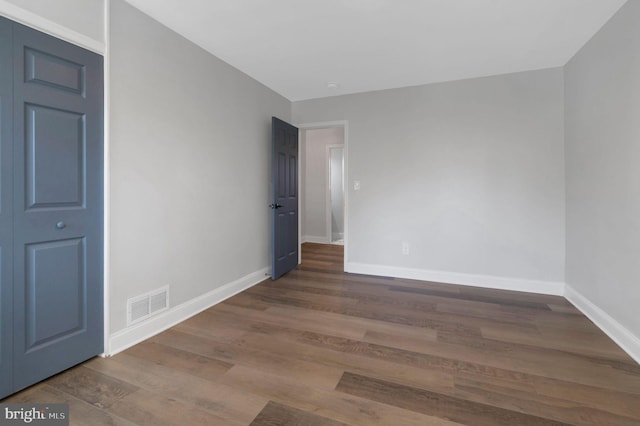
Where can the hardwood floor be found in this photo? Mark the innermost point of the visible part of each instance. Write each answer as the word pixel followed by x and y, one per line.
pixel 321 347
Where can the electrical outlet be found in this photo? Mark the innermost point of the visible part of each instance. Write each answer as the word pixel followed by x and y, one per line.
pixel 405 248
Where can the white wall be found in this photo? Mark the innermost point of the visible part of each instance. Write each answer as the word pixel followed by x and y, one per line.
pixel 603 177
pixel 315 168
pixel 190 147
pixel 86 17
pixel 469 173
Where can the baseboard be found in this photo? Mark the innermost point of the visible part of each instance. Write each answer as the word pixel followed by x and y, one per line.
pixel 486 281
pixel 135 334
pixel 30 19
pixel 629 342
pixel 314 239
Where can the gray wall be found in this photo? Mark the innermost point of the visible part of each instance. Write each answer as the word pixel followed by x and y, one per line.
pixel 315 180
pixel 470 173
pixel 603 168
pixel 190 146
pixel 83 16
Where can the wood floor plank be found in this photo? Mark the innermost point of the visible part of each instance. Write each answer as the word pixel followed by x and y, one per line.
pixel 363 293
pixel 173 384
pixel 91 386
pixel 240 353
pixel 581 344
pixel 275 414
pixel 80 412
pixel 351 410
pixel 435 404
pixel 204 325
pixel 477 298
pixel 147 408
pixel 179 360
pixel 377 312
pixel 301 322
pixel 338 321
pixel 406 310
pixel 282 343
pixel 510 398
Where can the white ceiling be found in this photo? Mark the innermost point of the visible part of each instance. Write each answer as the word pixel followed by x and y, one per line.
pixel 296 47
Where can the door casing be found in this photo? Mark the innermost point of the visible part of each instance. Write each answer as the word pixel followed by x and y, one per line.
pixel 344 124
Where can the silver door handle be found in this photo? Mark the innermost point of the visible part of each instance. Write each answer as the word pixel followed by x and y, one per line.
pixel 61 225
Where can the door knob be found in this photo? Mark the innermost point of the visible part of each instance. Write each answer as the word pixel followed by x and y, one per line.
pixel 275 206
pixel 60 225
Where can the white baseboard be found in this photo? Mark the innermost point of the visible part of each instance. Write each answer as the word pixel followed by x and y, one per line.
pixel 629 342
pixel 314 239
pixel 487 281
pixel 30 19
pixel 135 334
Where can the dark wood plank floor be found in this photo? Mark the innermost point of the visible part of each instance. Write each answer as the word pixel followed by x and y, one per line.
pixel 321 347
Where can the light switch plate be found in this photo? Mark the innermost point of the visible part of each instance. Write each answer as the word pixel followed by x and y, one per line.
pixel 356 185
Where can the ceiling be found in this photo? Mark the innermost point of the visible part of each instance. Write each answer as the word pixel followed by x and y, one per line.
pixel 297 47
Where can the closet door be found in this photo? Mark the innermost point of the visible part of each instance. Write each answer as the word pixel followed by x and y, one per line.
pixel 6 213
pixel 57 205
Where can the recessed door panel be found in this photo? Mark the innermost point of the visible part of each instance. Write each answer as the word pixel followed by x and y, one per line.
pixel 292 239
pixel 281 243
pixel 55 286
pixel 282 175
pixel 55 141
pixel 53 71
pixel 292 184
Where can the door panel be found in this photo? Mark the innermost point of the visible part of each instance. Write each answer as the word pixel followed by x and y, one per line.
pixel 58 205
pixel 54 71
pixel 6 212
pixel 54 145
pixel 292 185
pixel 285 203
pixel 55 289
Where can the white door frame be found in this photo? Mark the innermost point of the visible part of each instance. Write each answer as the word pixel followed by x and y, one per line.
pixel 328 203
pixel 344 124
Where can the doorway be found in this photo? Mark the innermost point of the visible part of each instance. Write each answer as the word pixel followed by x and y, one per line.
pixel 322 182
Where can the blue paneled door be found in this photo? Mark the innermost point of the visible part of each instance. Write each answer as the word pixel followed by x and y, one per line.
pixel 57 204
pixel 284 178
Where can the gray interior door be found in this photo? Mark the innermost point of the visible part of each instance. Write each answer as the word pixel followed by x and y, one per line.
pixel 6 213
pixel 284 159
pixel 57 205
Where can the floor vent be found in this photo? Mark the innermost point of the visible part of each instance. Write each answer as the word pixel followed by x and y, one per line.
pixel 142 307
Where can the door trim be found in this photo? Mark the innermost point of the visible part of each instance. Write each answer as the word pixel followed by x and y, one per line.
pixel 106 133
pixel 344 124
pixel 37 22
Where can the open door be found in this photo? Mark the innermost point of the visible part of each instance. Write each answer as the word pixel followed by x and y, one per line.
pixel 284 208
